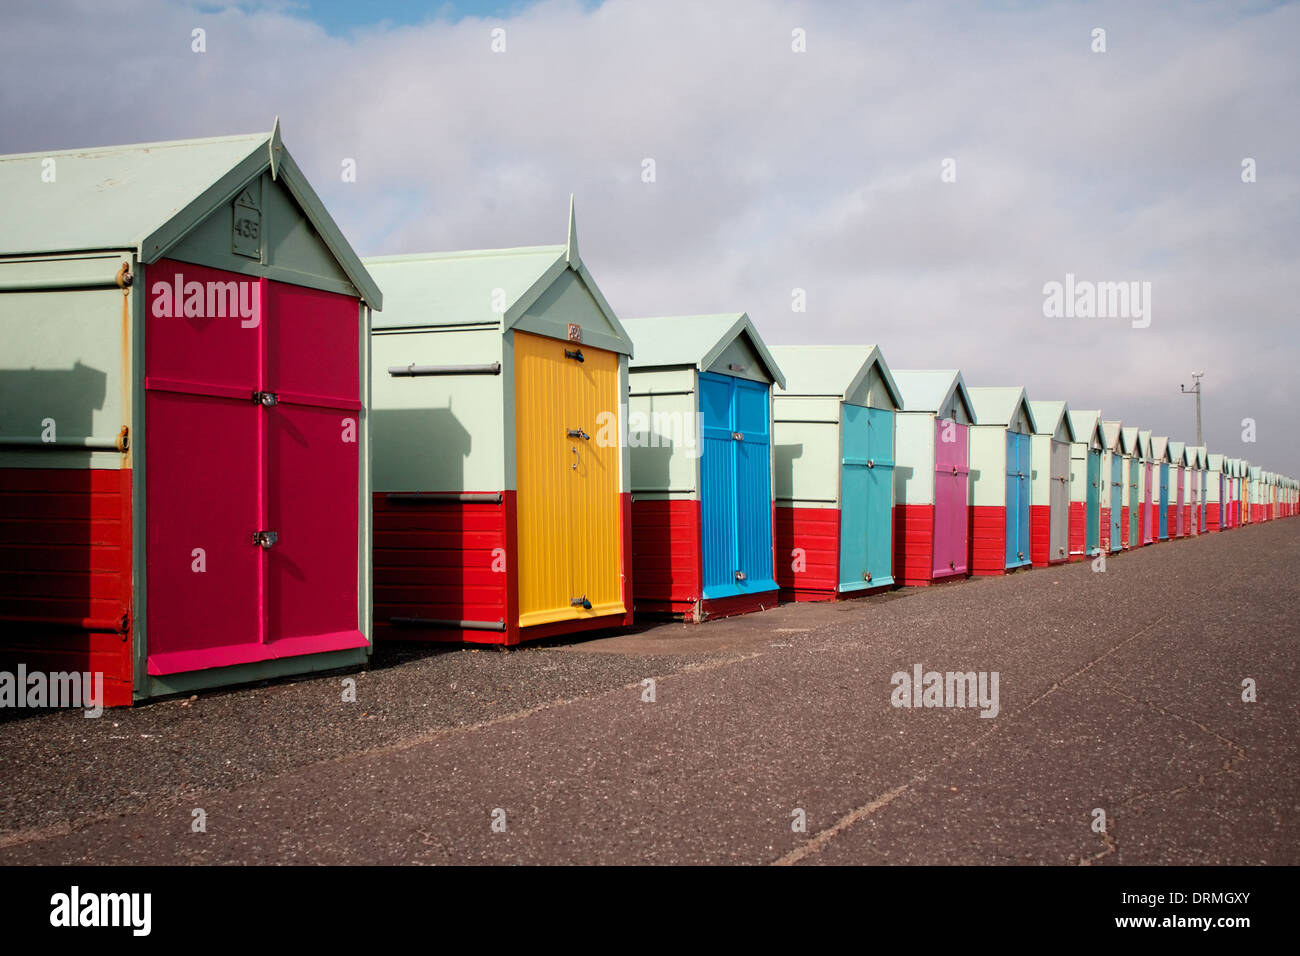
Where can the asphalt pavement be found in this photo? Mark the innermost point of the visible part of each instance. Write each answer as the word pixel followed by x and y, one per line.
pixel 770 738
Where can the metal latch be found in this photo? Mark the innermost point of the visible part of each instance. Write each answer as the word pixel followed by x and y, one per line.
pixel 866 575
pixel 577 433
pixel 870 464
pixel 266 398
pixel 737 436
pixel 1020 555
pixel 581 602
pixel 265 539
pixel 575 354
pixel 740 575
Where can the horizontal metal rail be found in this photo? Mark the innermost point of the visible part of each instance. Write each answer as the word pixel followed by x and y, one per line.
pixel 455 625
pixel 107 444
pixel 445 497
pixel 57 285
pixel 400 371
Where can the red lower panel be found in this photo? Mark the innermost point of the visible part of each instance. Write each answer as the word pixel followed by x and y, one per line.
pixel 444 561
pixel 1186 527
pixel 666 570
pixel 1040 534
pixel 65 573
pixel 737 604
pixel 914 544
pixel 1078 529
pixel 988 539
pixel 1123 527
pixel 807 552
pixel 1212 517
pixel 1105 530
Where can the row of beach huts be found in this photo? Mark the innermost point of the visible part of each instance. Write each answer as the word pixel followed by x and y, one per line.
pixel 226 456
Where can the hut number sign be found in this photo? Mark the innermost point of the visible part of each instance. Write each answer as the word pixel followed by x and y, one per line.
pixel 246 225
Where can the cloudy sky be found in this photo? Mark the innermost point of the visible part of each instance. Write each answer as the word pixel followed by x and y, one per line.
pixel 777 169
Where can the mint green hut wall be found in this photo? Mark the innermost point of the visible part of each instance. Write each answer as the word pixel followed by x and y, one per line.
pixel 78 256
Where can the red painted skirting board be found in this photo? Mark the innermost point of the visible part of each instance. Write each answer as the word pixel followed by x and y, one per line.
pixel 665 543
pixel 816 531
pixel 65 563
pixel 987 537
pixel 1105 530
pixel 1123 528
pixel 1078 529
pixel 913 544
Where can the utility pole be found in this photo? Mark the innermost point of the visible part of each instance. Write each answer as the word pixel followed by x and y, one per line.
pixel 1196 390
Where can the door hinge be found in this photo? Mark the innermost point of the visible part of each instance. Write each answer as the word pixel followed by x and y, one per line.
pixel 265 539
pixel 266 398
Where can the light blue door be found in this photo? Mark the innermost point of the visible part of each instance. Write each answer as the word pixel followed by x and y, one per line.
pixel 855 498
pixel 735 487
pixel 1017 500
pixel 1116 501
pixel 1092 513
pixel 880 496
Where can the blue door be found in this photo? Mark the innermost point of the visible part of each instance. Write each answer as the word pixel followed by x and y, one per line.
pixel 880 492
pixel 1164 501
pixel 1116 501
pixel 1017 500
pixel 1092 539
pixel 735 487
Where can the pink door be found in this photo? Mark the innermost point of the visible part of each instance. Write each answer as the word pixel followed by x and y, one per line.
pixel 247 432
pixel 950 497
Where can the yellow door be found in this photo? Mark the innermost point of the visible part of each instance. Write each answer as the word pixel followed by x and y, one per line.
pixel 568 485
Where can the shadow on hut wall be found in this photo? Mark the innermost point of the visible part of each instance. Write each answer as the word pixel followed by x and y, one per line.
pixel 433 559
pixel 64 528
pixel 902 475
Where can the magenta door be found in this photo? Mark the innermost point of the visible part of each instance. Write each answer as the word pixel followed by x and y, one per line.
pixel 951 469
pixel 247 431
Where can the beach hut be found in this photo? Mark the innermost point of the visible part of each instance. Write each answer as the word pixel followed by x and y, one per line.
pixel 1254 476
pixel 1049 515
pixel 1178 489
pixel 1000 480
pixel 701 505
pixel 1133 466
pixel 1236 492
pixel 833 447
pixel 183 442
pixel 1216 494
pixel 931 475
pixel 1148 490
pixel 1164 488
pixel 1085 484
pixel 1201 483
pixel 1114 456
pixel 501 505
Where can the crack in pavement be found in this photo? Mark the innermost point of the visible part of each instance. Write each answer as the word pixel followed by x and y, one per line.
pixel 820 840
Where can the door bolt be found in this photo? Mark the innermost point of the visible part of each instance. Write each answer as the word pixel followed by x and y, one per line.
pixel 265 539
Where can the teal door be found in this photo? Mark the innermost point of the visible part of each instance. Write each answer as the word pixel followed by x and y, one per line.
pixel 1164 501
pixel 1092 539
pixel 866 498
pixel 1017 500
pixel 1116 500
